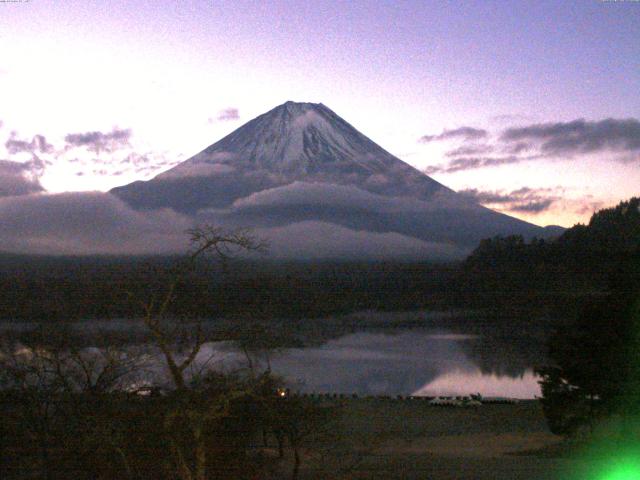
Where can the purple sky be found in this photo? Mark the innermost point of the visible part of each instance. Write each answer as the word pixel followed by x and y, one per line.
pixel 157 81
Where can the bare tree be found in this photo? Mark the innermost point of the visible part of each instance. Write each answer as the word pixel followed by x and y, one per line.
pixel 57 385
pixel 259 340
pixel 187 420
pixel 301 422
pixel 24 374
pixel 205 241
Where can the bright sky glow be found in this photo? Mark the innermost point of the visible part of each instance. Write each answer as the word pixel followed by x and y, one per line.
pixel 396 71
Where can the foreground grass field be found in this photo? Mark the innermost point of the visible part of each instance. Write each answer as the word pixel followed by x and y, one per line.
pixel 409 439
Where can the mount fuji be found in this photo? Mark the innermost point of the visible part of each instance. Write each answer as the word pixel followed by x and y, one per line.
pixel 301 172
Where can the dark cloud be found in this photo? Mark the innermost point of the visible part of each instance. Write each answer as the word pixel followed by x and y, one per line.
pixel 122 158
pixel 20 178
pixel 532 207
pixel 488 197
pixel 99 141
pixel 468 163
pixel 544 140
pixel 467 150
pixel 529 200
pixel 228 114
pixel 580 136
pixel 38 144
pixel 465 133
pixel 499 196
pixel 120 163
pixel 522 200
pixel 518 147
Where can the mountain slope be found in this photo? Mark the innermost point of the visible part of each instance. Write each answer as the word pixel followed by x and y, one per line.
pixel 295 141
pixel 300 162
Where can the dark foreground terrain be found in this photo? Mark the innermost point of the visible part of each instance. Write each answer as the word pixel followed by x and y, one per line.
pixel 355 438
pixel 410 439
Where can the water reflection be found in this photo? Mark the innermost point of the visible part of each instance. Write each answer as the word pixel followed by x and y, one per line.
pixel 428 355
pixel 406 362
pixel 461 382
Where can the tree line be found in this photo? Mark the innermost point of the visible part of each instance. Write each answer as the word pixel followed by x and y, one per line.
pixel 49 289
pixel 594 372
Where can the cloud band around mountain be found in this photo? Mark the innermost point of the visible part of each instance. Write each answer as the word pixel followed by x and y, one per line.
pixel 20 178
pixel 100 223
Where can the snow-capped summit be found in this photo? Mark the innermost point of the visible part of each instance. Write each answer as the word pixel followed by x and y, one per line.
pixel 301 164
pixel 307 142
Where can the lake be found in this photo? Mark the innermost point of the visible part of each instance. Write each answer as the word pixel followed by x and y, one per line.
pixel 414 362
pixel 404 362
pixel 423 359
